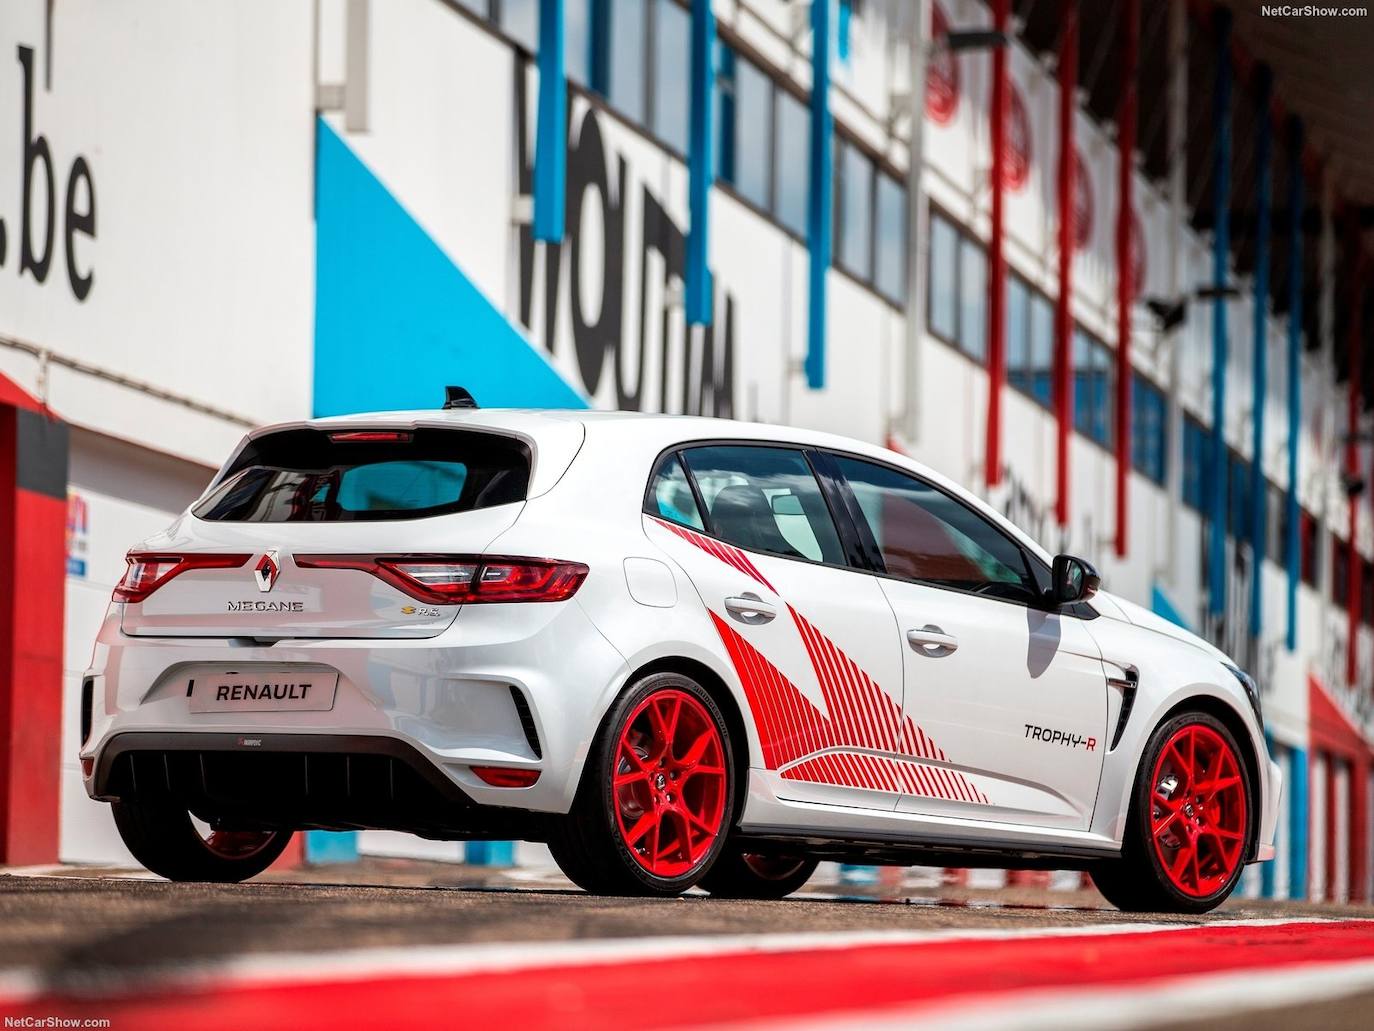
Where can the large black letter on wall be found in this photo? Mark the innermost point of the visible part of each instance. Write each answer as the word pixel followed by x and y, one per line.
pixel 34 148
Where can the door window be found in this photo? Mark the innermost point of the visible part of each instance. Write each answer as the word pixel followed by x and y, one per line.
pixel 924 534
pixel 765 499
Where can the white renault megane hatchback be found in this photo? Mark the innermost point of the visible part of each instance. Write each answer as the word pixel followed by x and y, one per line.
pixel 681 651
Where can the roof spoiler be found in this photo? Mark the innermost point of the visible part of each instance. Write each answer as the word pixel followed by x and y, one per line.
pixel 458 397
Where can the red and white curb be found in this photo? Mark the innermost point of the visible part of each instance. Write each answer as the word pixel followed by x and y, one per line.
pixel 1084 976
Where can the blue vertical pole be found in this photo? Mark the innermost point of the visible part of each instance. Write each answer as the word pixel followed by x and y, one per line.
pixel 1268 880
pixel 1293 544
pixel 699 165
pixel 819 222
pixel 1260 379
pixel 551 133
pixel 1221 247
pixel 1297 824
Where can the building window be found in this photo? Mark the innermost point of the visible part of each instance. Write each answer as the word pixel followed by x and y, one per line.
pixel 1018 334
pixel 1307 547
pixel 973 299
pixel 1093 401
pixel 628 27
pixel 1041 350
pixel 1149 429
pixel 943 301
pixel 890 233
pixel 577 40
pixel 520 21
pixel 791 191
pixel 672 42
pixel 1197 464
pixel 855 252
pixel 750 168
pixel 1340 569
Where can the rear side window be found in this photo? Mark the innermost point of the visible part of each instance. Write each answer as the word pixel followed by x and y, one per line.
pixel 765 499
pixel 670 495
pixel 314 476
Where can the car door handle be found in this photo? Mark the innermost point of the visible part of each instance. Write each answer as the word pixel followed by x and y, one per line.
pixel 749 608
pixel 931 640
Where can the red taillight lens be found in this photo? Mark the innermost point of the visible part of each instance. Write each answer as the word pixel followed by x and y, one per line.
pixel 148 571
pixel 505 776
pixel 463 579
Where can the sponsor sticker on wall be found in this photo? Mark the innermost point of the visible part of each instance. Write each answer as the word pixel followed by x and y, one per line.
pixel 78 534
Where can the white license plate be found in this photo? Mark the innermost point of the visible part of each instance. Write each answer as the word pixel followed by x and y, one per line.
pixel 263 691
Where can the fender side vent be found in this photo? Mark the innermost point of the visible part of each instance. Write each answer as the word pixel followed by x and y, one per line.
pixel 1128 687
pixel 522 709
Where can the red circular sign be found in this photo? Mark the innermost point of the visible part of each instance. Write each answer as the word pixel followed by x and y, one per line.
pixel 1016 169
pixel 942 73
pixel 1082 202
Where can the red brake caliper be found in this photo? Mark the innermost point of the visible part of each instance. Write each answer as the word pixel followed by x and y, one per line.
pixel 1197 810
pixel 669 785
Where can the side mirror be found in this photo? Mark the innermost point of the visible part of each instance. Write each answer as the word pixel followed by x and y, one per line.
pixel 1074 580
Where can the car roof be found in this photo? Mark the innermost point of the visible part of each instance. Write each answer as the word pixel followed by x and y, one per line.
pixel 562 431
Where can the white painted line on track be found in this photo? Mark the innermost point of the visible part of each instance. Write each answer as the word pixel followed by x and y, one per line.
pixel 286 968
pixel 1162 1001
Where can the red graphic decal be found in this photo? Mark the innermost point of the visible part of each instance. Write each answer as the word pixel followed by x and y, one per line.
pixel 861 716
pixel 727 553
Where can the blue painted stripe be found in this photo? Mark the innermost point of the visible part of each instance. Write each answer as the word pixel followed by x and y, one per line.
pixel 820 221
pixel 551 139
pixel 699 165
pixel 1161 605
pixel 395 319
pixel 1260 379
pixel 1221 247
pixel 1294 544
pixel 489 853
pixel 1297 824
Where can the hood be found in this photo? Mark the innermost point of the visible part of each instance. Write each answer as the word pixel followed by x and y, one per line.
pixel 1137 615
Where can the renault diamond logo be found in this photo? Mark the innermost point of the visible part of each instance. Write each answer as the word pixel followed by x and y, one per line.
pixel 265 572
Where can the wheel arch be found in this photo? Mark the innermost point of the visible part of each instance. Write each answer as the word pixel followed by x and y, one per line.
pixel 1232 720
pixel 714 685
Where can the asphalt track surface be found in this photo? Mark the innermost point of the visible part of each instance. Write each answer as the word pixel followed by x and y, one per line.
pixel 392 943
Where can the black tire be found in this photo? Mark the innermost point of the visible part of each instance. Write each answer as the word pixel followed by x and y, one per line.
pixel 589 844
pixel 1139 881
pixel 162 837
pixel 738 874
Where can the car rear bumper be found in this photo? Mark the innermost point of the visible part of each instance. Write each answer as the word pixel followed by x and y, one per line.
pixel 508 685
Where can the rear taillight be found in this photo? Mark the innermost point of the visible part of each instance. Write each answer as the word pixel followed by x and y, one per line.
pixel 463 579
pixel 150 570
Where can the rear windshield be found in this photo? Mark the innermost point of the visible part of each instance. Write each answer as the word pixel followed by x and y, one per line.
pixel 314 476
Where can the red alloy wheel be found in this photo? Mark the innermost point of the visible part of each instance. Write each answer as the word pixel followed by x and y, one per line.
pixel 1197 810
pixel 669 783
pixel 238 844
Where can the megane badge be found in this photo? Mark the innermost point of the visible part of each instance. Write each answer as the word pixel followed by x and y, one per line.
pixel 265 572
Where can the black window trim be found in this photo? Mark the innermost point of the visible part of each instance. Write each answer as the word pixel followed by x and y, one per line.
pixel 855 540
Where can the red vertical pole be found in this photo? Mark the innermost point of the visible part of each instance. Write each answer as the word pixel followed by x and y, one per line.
pixel 1359 828
pixel 1331 817
pixel 1125 262
pixel 33 520
pixel 1063 312
pixel 997 266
